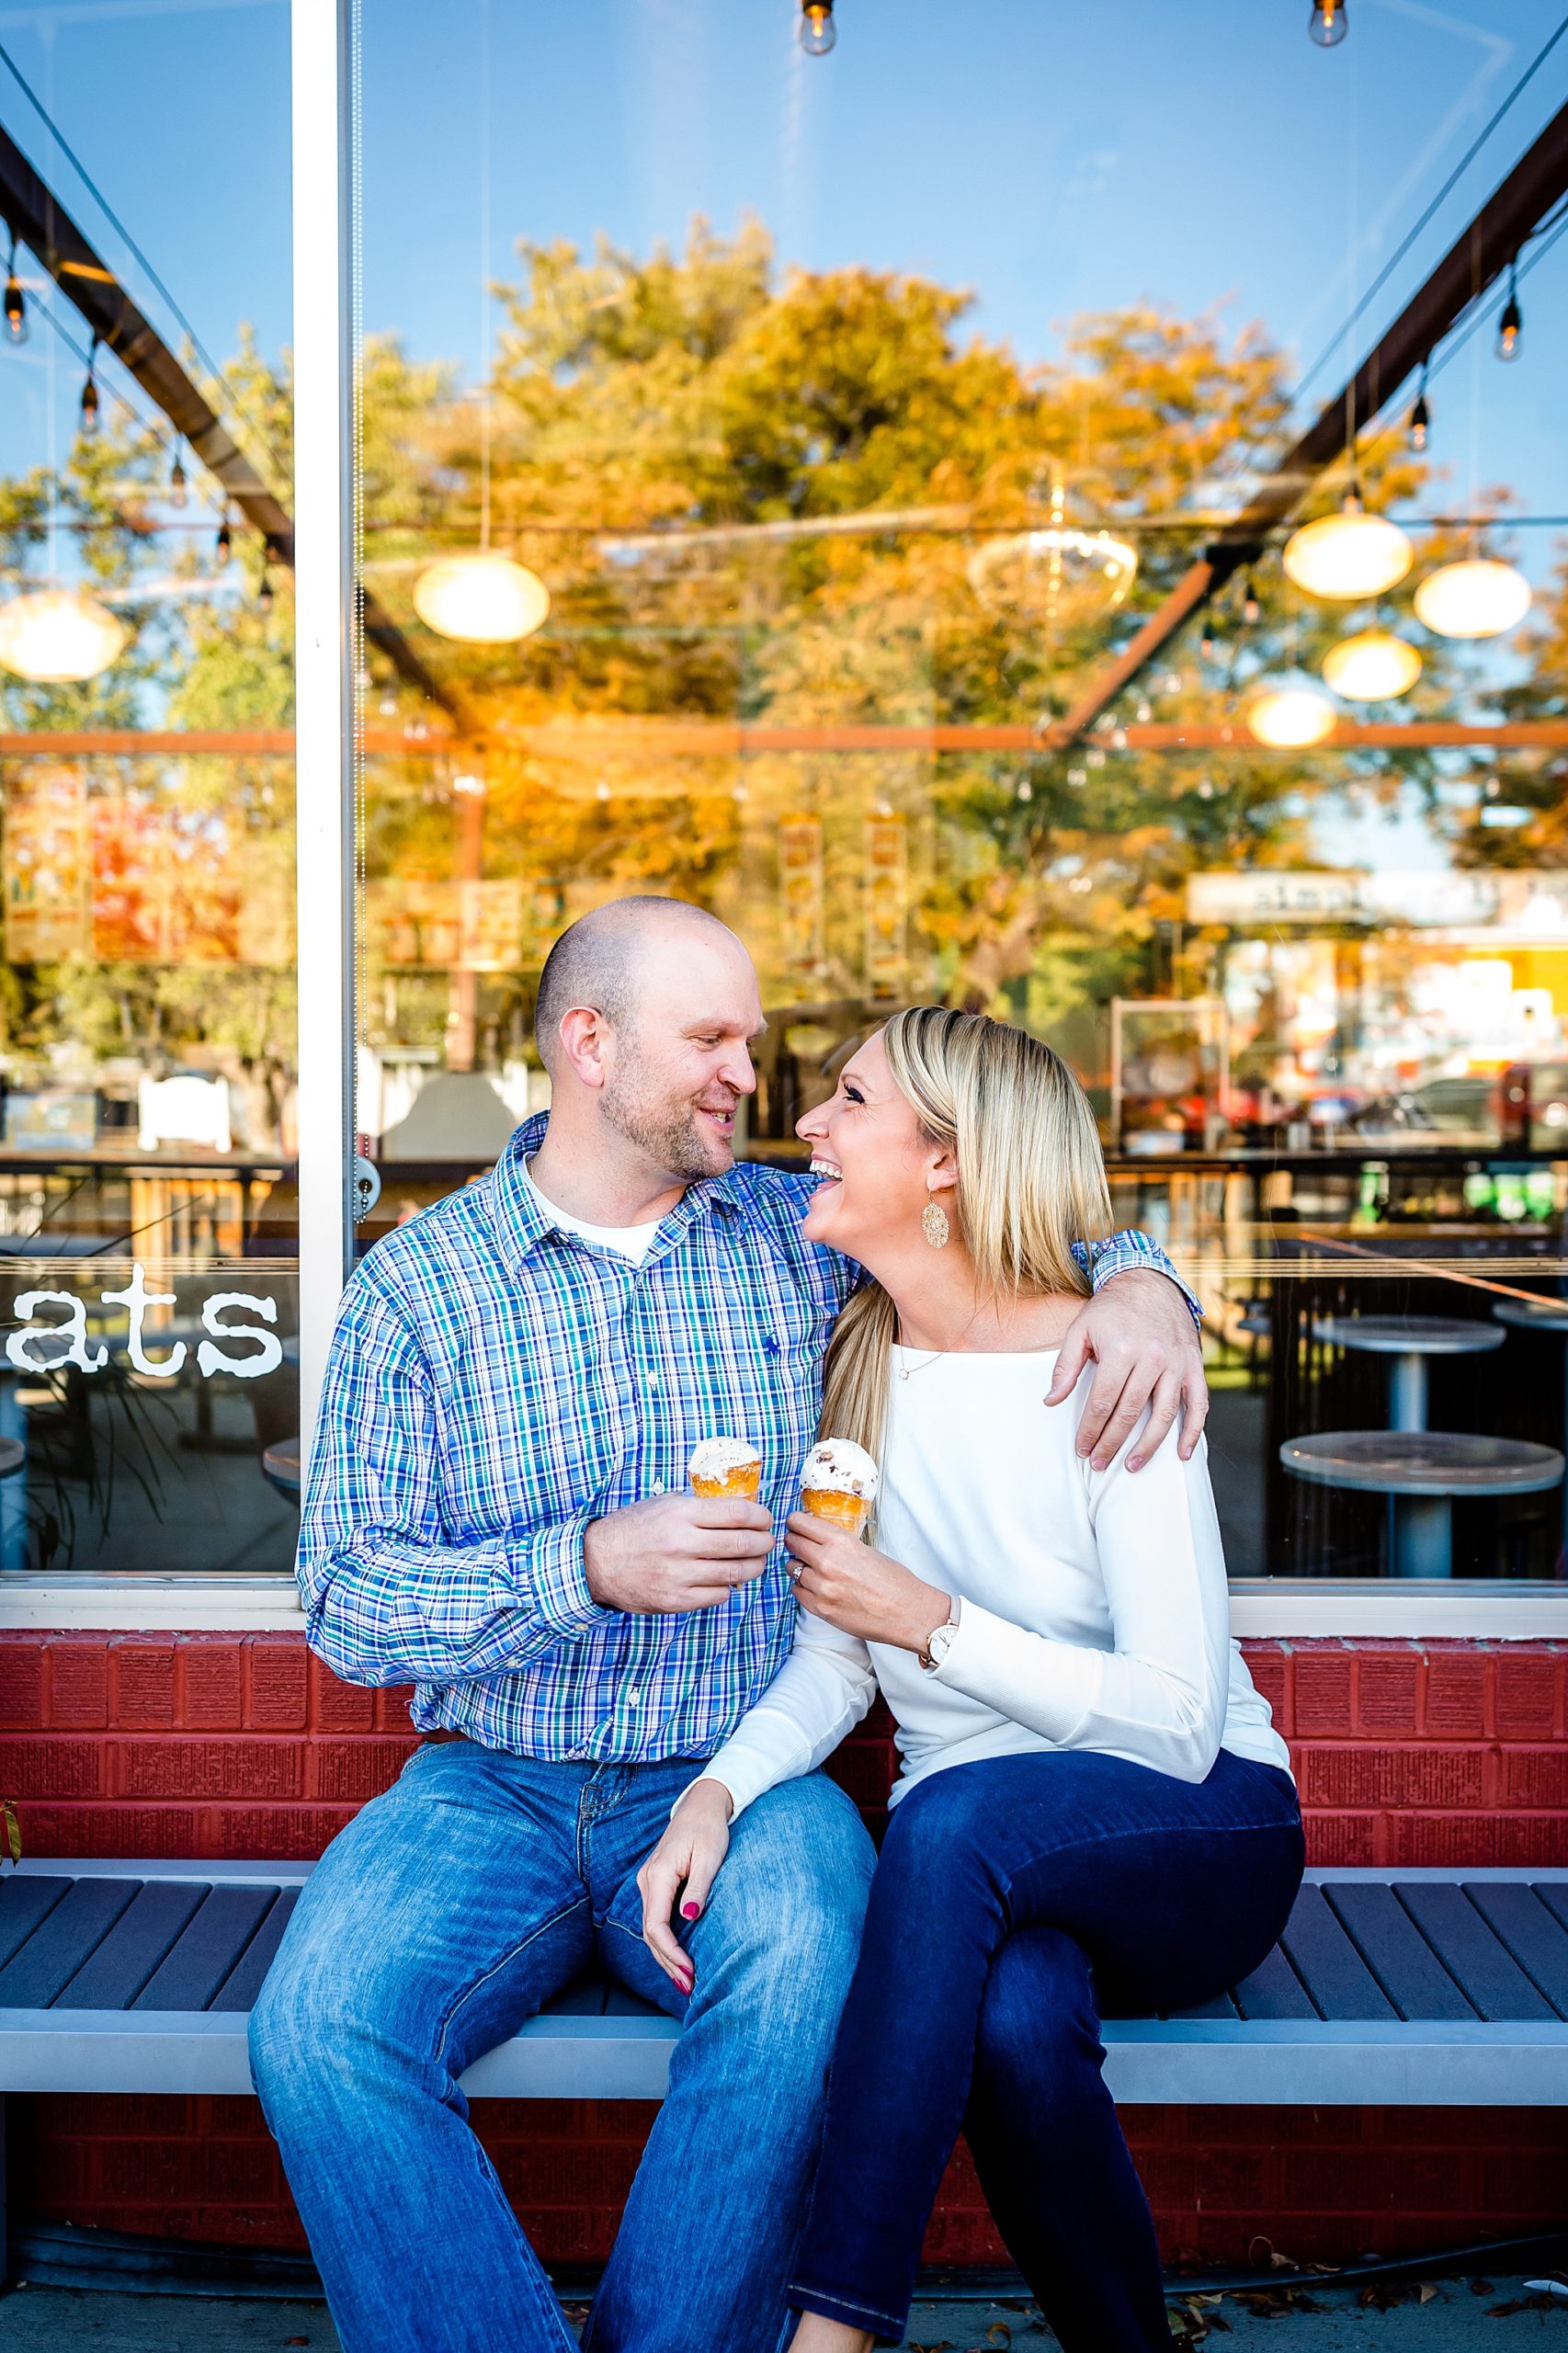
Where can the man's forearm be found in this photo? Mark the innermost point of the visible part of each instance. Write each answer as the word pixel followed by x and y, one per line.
pixel 383 1609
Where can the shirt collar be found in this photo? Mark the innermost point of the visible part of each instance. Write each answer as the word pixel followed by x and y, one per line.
pixel 522 1218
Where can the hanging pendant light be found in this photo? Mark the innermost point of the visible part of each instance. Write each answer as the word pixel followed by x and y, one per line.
pixel 55 636
pixel 1327 24
pixel 1373 666
pixel 1347 556
pixel 1479 598
pixel 88 414
pixel 816 31
pixel 1288 718
pixel 481 599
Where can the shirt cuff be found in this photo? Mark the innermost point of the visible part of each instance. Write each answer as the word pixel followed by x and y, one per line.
pixel 1133 1254
pixel 1046 1685
pixel 548 1571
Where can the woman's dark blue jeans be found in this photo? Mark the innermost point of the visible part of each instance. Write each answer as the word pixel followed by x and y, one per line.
pixel 1014 1900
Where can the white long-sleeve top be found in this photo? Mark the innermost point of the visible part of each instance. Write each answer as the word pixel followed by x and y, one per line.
pixel 1094 1610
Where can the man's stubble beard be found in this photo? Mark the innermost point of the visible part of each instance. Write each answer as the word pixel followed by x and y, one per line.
pixel 664 1131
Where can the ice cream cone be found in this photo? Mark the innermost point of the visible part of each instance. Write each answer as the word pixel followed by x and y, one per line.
pixel 845 1510
pixel 839 1483
pixel 726 1466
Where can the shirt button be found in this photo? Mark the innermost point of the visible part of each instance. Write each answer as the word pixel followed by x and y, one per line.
pixel 634 1698
pixel 658 1486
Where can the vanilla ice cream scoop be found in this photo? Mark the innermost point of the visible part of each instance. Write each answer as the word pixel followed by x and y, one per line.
pixel 724 1466
pixel 839 1482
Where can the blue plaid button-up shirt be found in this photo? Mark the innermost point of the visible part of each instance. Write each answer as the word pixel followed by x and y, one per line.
pixel 497 1384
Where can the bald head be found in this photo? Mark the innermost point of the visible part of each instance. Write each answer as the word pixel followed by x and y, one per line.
pixel 647 1009
pixel 604 961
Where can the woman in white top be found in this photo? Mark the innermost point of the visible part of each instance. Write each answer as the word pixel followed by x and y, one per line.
pixel 1092 1802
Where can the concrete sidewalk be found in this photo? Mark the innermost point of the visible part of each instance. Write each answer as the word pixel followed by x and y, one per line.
pixel 1489 2315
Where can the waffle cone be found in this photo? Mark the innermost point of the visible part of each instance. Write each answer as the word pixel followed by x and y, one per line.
pixel 833 1504
pixel 744 1479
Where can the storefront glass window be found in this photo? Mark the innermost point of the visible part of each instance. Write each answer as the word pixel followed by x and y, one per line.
pixel 756 513
pixel 148 1228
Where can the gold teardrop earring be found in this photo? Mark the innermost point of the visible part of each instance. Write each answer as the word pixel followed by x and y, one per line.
pixel 934 1225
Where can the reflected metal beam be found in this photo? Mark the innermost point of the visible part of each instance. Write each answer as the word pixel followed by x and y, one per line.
pixel 1477 257
pixel 719 739
pixel 42 223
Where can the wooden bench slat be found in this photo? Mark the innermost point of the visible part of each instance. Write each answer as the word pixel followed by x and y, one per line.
pixel 112 1977
pixel 203 1958
pixel 23 1903
pixel 240 1988
pixel 1222 2006
pixel 1553 1894
pixel 1537 1941
pixel 1468 1951
pixel 1397 1953
pixel 1273 1991
pixel 619 2004
pixel 1328 1964
pixel 584 1998
pixel 72 1929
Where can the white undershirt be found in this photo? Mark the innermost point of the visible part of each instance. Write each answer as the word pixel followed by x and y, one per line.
pixel 1094 1610
pixel 632 1242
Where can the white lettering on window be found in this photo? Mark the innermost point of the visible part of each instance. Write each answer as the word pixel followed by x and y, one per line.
pixel 79 1351
pixel 139 1299
pixel 266 1358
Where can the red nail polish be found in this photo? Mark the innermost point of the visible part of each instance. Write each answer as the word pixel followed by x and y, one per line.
pixel 691 1911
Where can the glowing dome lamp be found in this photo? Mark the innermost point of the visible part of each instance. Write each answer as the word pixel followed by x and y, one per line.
pixel 1346 556
pixel 1373 666
pixel 57 637
pixel 1290 718
pixel 481 599
pixel 1479 597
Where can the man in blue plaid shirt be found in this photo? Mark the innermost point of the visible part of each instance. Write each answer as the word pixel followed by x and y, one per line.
pixel 497 1512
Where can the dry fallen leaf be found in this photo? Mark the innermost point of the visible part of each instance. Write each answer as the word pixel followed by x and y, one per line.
pixel 1427 2291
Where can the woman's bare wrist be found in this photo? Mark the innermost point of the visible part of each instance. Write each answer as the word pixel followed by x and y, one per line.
pixel 708 1790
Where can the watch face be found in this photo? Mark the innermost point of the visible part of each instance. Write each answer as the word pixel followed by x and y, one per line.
pixel 940 1643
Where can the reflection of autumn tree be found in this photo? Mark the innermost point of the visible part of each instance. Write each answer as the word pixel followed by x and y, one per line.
pixel 694 394
pixel 194 659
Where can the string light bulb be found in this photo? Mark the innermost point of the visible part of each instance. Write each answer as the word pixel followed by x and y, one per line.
pixel 1252 608
pixel 1420 416
pixel 224 544
pixel 817 30
pixel 264 591
pixel 177 480
pixel 88 414
pixel 15 302
pixel 1206 643
pixel 1327 23
pixel 1511 325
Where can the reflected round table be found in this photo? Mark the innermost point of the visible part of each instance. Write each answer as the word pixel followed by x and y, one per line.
pixel 281 1467
pixel 1421 1471
pixel 1409 1340
pixel 1541 1315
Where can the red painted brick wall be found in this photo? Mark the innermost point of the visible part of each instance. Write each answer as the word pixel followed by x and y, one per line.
pixel 243 1746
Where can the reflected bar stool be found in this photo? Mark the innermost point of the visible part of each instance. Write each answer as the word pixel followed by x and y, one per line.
pixel 1409 1340
pixel 1541 1315
pixel 1421 1471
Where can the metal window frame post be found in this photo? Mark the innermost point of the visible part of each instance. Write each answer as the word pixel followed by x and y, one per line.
pixel 324 263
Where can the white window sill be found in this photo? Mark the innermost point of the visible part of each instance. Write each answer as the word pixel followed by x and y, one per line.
pixel 1261 1608
pixel 152 1605
pixel 1429 1611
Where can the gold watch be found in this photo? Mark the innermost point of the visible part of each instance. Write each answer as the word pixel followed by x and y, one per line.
pixel 939 1641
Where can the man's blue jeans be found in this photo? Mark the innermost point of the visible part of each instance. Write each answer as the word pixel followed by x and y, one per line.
pixel 444 1915
pixel 1014 1898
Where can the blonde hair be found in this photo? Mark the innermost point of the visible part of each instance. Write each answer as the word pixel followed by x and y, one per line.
pixel 1030 1183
